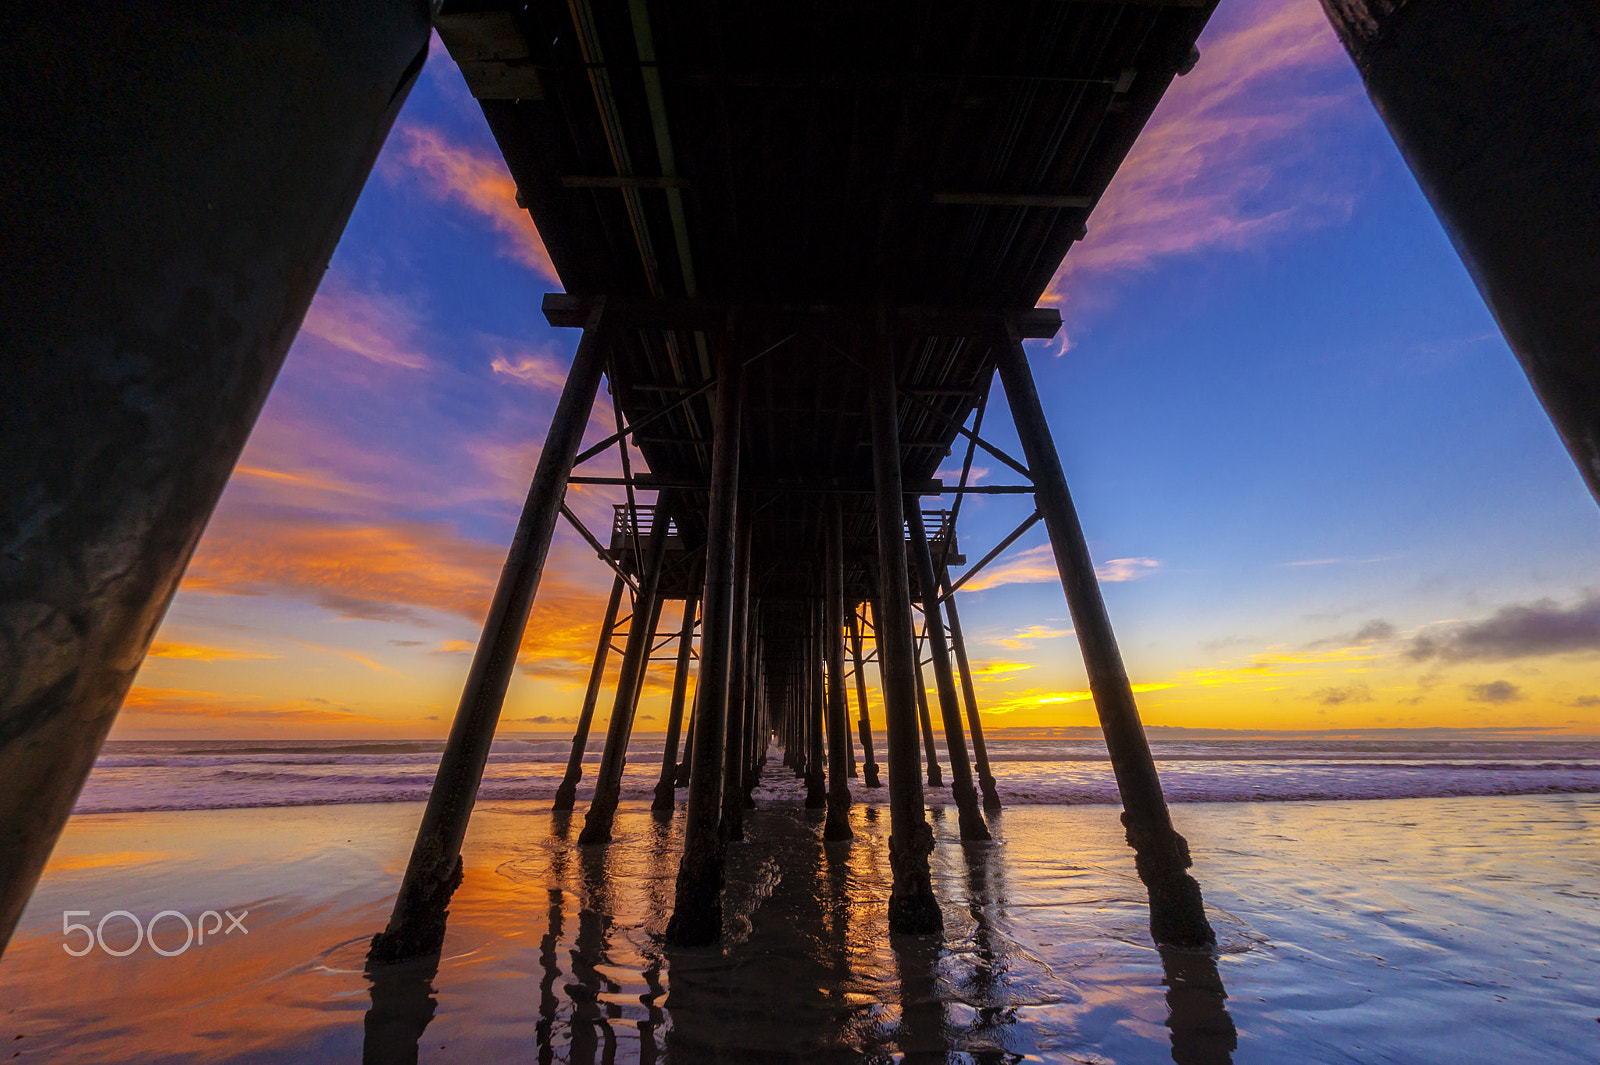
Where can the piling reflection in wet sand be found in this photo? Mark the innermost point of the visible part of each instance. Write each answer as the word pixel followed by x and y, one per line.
pixel 403 1005
pixel 553 952
pixel 550 972
pixel 1202 1030
pixel 807 972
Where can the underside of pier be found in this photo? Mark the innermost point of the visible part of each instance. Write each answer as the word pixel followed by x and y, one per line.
pixel 801 242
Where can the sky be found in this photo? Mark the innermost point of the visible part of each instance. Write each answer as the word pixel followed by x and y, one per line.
pixel 1319 491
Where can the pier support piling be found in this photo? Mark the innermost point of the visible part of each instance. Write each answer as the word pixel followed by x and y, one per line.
pixel 176 178
pixel 755 730
pixel 738 683
pixel 925 722
pixel 912 906
pixel 697 910
pixel 1177 913
pixel 567 791
pixel 434 869
pixel 664 798
pixel 864 722
pixel 630 682
pixel 980 749
pixel 973 826
pixel 680 778
pixel 816 713
pixel 837 826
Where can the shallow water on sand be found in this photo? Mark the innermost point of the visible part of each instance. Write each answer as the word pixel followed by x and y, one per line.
pixel 1416 930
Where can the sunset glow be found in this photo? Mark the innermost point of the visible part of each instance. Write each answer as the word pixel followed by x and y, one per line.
pixel 1318 490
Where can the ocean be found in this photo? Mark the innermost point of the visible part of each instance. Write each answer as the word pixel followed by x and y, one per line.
pixel 1031 767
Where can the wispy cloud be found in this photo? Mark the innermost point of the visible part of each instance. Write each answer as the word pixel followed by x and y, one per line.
pixel 479 182
pixel 220 707
pixel 1037 565
pixel 1126 569
pixel 200 653
pixel 535 369
pixel 1340 561
pixel 1217 164
pixel 1028 636
pixel 1035 699
pixel 1033 566
pixel 378 327
pixel 1352 693
pixel 952 474
pixel 999 669
pixel 1373 631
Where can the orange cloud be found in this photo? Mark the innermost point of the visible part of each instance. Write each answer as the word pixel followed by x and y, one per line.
pixel 481 184
pixel 1033 566
pixel 398 571
pixel 999 669
pixel 1205 171
pixel 199 653
pixel 1025 637
pixel 373 572
pixel 1035 699
pixel 177 702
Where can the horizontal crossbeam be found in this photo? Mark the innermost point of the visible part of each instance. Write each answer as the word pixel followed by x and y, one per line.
pixel 570 312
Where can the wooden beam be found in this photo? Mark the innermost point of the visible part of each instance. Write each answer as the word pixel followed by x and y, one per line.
pixel 564 310
pixel 1012 199
pixel 604 181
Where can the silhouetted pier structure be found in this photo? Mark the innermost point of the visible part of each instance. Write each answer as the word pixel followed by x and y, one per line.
pixel 801 244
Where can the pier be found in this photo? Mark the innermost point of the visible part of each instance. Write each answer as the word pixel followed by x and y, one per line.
pixel 802 248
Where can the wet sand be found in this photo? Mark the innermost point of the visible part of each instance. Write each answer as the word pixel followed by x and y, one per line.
pixel 1408 930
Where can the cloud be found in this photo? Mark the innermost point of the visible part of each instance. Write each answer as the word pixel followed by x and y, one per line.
pixel 480 183
pixel 1222 162
pixel 1037 565
pixel 997 669
pixel 1372 632
pixel 380 572
pixel 952 474
pixel 183 703
pixel 1024 637
pixel 396 571
pixel 1355 693
pixel 541 719
pixel 534 369
pixel 1376 629
pixel 1521 630
pixel 1341 561
pixel 1275 665
pixel 1033 566
pixel 1499 691
pixel 454 647
pixel 1034 698
pixel 199 652
pixel 1126 569
pixel 377 327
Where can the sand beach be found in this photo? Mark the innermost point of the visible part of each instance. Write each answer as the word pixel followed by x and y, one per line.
pixel 1455 929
